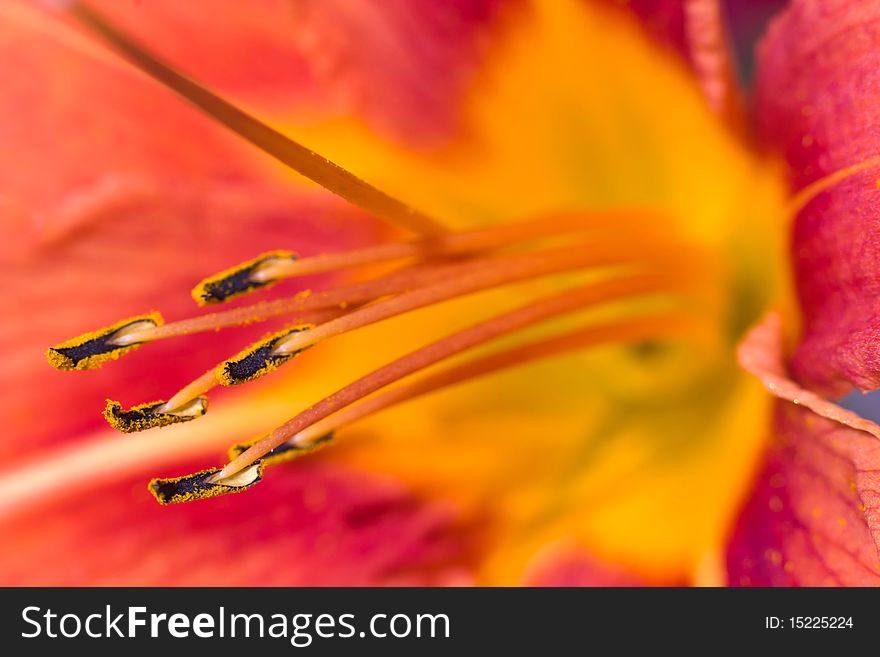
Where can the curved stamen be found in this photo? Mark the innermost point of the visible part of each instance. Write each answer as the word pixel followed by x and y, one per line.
pixel 194 390
pixel 268 354
pixel 398 281
pixel 628 330
pixel 496 272
pixel 604 291
pixel 460 243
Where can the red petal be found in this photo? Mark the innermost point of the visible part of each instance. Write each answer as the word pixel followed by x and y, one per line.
pixel 814 517
pixel 663 19
pixel 403 65
pixel 312 524
pixel 818 67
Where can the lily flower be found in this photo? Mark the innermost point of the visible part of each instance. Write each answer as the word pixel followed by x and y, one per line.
pixel 499 293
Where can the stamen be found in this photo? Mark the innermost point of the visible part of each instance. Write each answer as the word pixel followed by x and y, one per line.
pixel 190 391
pixel 153 414
pixel 197 487
pixel 394 283
pixel 273 351
pixel 308 307
pixel 573 300
pixel 306 162
pixel 93 349
pixel 495 272
pixel 811 191
pixel 258 359
pixel 288 451
pixel 628 330
pixel 460 243
pixel 241 279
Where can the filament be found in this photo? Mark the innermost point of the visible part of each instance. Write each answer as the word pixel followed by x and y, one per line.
pixel 499 271
pixel 399 281
pixel 484 274
pixel 455 343
pixel 459 243
pixel 209 380
pixel 205 383
pixel 628 330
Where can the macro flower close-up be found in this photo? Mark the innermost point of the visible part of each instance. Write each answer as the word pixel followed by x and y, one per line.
pixel 411 292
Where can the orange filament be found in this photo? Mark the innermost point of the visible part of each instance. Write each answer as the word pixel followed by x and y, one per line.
pixel 573 300
pixel 394 283
pixel 472 276
pixel 302 305
pixel 628 330
pixel 467 242
pixel 299 158
pixel 208 381
pixel 495 272
pixel 205 383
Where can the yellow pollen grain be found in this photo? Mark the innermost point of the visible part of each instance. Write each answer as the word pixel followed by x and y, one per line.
pixel 238 449
pixel 61 362
pixel 204 492
pixel 148 421
pixel 201 292
pixel 269 364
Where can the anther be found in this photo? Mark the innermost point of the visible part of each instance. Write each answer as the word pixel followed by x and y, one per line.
pixel 285 451
pixel 241 279
pixel 257 360
pixel 95 348
pixel 197 487
pixel 151 415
